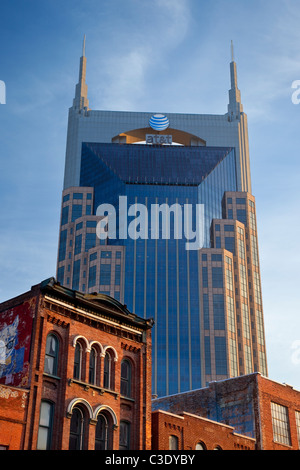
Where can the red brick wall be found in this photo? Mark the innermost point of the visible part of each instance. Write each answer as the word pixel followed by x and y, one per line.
pixel 13 408
pixel 191 430
pixel 243 403
pixel 285 395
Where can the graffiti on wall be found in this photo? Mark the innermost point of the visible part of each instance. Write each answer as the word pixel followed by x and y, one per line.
pixel 15 338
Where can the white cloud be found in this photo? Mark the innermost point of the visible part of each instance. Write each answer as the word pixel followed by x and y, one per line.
pixel 148 45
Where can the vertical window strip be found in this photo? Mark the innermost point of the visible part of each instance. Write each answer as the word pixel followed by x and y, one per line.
pixel 233 358
pixel 248 359
pixel 262 363
pixel 260 328
pixel 254 250
pixel 246 323
pixel 257 290
pixel 230 314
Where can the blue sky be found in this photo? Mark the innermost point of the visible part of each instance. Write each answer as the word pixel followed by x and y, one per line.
pixel 160 56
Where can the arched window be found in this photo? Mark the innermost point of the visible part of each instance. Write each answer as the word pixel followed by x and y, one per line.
pixel 124 443
pixel 200 446
pixel 108 371
pixel 92 366
pixel 126 378
pixel 51 355
pixel 103 436
pixel 77 429
pixel 45 426
pixel 77 362
pixel 173 443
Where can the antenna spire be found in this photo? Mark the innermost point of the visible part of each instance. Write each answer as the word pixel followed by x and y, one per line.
pixel 235 107
pixel 81 100
pixel 83 47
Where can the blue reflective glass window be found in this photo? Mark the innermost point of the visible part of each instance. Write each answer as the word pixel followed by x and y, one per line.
pixel 216 257
pixel 219 314
pixel 240 200
pixel 217 277
pixel 77 196
pixel 217 227
pixel 88 210
pixel 229 228
pixel 66 197
pixel 65 215
pixel 230 214
pixel 204 257
pixel 241 215
pixel 60 274
pixel 229 244
pixel 76 275
pixel 154 268
pixel 89 196
pixel 78 242
pixel 105 254
pixel 62 245
pixel 206 311
pixel 117 274
pixel 221 356
pixel 229 200
pixel 90 241
pixel 91 224
pixel 92 276
pixel 93 256
pixel 118 254
pixel 207 355
pixel 218 242
pixel 79 226
pixel 76 211
pixel 204 277
pixel 117 295
pixel 105 274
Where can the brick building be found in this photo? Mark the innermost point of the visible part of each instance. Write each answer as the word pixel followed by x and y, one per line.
pixel 252 406
pixel 190 432
pixel 75 372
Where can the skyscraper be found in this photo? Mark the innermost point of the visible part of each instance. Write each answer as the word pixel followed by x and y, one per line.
pixel 205 298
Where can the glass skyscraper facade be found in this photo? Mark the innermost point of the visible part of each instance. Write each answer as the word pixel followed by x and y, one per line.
pixel 206 302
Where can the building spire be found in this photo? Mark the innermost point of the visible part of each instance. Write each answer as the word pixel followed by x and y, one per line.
pixel 83 47
pixel 81 100
pixel 235 107
pixel 232 51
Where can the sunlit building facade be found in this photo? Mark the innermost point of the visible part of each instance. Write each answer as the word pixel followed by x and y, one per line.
pixel 206 301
